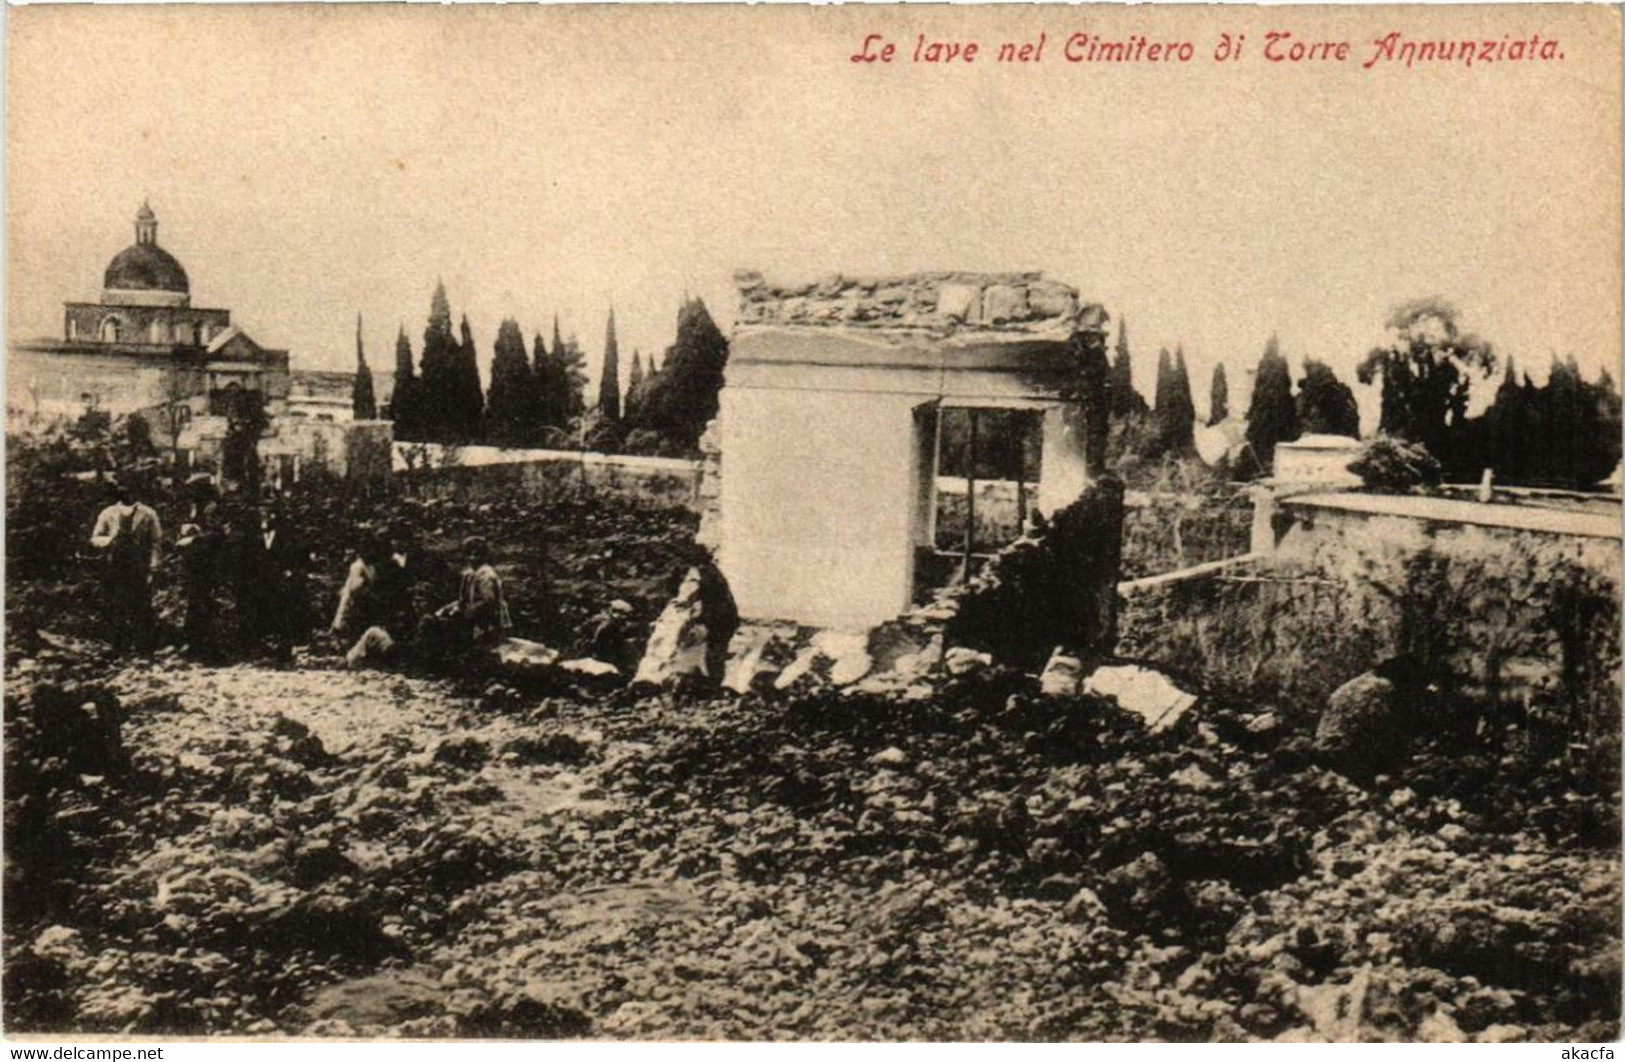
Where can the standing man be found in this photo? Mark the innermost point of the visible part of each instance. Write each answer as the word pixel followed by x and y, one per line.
pixel 275 566
pixel 201 542
pixel 128 532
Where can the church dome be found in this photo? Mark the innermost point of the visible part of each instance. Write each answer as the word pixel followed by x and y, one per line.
pixel 144 266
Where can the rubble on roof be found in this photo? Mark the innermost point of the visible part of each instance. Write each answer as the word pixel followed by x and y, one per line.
pixel 932 301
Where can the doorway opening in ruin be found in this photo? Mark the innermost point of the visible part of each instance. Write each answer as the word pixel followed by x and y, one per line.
pixel 979 471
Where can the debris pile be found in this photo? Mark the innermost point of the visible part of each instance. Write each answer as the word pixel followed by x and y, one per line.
pixel 935 301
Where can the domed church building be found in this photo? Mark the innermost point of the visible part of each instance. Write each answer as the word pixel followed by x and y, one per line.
pixel 144 348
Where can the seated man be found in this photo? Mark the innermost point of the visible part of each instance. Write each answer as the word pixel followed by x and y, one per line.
pixel 362 615
pixel 479 617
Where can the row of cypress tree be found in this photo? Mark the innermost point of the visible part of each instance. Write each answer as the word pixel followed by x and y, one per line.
pixel 538 399
pixel 1565 432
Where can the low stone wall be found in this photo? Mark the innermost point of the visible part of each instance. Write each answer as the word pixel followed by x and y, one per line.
pixel 486 473
pixel 1513 611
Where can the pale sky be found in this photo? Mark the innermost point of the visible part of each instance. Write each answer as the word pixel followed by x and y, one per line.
pixel 307 164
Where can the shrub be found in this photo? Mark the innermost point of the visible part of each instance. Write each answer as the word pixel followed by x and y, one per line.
pixel 1389 464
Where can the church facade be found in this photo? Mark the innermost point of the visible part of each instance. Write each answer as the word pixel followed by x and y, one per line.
pixel 143 348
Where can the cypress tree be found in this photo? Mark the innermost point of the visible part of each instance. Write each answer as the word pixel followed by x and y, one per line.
pixel 1218 402
pixel 637 385
pixel 609 379
pixel 573 372
pixel 439 408
pixel 508 420
pixel 403 400
pixel 681 398
pixel 1273 416
pixel 1123 399
pixel 362 403
pixel 470 395
pixel 541 380
pixel 1175 414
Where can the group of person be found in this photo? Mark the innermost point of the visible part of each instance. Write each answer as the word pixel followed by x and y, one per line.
pixel 244 571
pixel 376 617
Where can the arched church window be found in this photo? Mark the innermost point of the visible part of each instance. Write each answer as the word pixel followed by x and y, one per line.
pixel 110 330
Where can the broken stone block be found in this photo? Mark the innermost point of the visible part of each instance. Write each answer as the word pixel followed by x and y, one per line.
pixel 1062 675
pixel 587 667
pixel 677 645
pixel 1002 303
pixel 1049 298
pixel 756 656
pixel 962 661
pixel 917 665
pixel 847 652
pixel 804 666
pixel 521 658
pixel 1148 694
pixel 960 302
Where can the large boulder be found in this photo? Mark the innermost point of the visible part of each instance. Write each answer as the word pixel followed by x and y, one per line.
pixel 1361 728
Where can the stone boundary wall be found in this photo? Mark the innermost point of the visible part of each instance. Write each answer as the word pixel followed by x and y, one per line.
pixel 489 473
pixel 1326 603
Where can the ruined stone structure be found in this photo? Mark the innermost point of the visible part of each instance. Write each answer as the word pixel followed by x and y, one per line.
pixel 830 426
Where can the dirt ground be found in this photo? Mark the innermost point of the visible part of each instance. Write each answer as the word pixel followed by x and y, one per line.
pixel 305 850
pixel 320 852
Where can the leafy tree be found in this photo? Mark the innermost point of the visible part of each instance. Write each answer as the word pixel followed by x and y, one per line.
pixel 362 402
pixel 1218 402
pixel 609 378
pixel 246 421
pixel 1272 417
pixel 1122 397
pixel 1505 428
pixel 682 397
pixel 1326 405
pixel 93 425
pixel 404 403
pixel 1426 371
pixel 138 436
pixel 1578 438
pixel 509 419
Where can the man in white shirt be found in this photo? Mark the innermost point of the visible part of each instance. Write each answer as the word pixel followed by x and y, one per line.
pixel 129 534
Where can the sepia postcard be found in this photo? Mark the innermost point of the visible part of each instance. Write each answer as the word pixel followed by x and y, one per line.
pixel 787 523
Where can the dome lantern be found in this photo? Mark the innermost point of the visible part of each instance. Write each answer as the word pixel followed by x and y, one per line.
pixel 144 273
